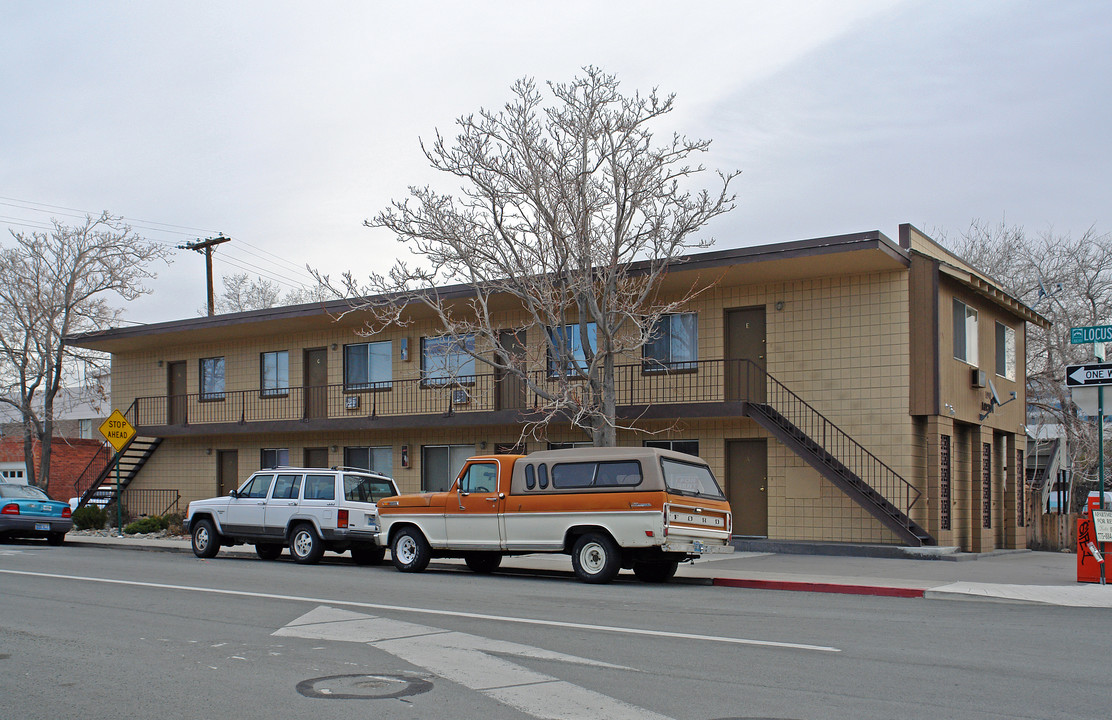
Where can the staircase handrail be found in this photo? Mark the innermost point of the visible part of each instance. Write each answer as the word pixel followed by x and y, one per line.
pixel 94 479
pixel 833 437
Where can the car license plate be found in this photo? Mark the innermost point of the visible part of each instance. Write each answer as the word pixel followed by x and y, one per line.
pixel 42 526
pixel 699 546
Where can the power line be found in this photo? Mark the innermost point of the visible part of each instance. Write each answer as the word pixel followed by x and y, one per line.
pixel 87 212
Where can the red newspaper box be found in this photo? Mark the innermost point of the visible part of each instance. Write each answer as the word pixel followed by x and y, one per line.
pixel 1088 569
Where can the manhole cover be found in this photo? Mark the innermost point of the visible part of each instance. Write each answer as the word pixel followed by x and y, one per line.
pixel 363 687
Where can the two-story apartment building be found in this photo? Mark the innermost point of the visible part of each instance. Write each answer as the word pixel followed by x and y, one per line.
pixel 847 388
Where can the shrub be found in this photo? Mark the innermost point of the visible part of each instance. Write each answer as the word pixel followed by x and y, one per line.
pixel 110 511
pixel 173 523
pixel 151 524
pixel 89 517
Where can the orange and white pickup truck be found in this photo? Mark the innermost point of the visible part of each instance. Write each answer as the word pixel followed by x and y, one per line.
pixel 609 508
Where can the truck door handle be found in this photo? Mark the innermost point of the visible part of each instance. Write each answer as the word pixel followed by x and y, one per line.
pixel 493 498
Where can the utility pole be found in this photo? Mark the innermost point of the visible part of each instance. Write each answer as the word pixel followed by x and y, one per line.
pixel 206 246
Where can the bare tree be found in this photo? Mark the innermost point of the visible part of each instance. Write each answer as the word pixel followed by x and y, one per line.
pixel 570 210
pixel 241 293
pixel 1067 280
pixel 52 285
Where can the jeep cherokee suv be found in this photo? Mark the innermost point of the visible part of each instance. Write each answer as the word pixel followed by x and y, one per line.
pixel 308 510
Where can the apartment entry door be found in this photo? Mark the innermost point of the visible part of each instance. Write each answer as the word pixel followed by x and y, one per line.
pixel 745 354
pixel 747 485
pixel 176 393
pixel 316 383
pixel 316 457
pixel 511 389
pixel 227 471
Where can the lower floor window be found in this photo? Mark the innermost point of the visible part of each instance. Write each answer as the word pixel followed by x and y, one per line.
pixel 275 457
pixel 441 463
pixel 688 447
pixel 569 445
pixel 380 459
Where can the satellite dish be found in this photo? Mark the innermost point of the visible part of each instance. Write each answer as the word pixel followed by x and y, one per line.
pixel 995 396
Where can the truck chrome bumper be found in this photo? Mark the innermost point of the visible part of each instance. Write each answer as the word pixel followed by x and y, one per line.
pixel 698 547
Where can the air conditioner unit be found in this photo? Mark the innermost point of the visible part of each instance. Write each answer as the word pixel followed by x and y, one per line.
pixel 460 397
pixel 979 380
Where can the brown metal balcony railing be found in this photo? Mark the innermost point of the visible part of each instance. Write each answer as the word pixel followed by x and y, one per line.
pixel 689 382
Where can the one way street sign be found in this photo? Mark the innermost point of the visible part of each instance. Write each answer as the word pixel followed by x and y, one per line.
pixel 1089 375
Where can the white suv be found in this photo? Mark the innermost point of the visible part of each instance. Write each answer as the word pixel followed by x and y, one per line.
pixel 308 510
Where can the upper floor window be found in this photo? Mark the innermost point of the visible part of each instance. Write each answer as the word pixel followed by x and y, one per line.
pixel 212 378
pixel 674 344
pixel 1005 351
pixel 965 332
pixel 447 359
pixel 569 338
pixel 368 365
pixel 274 373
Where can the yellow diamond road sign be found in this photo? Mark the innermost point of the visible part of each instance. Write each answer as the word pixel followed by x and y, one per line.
pixel 117 430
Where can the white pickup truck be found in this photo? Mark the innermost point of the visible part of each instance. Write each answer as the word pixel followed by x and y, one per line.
pixel 609 508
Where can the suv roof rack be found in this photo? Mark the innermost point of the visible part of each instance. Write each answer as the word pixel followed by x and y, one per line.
pixel 350 468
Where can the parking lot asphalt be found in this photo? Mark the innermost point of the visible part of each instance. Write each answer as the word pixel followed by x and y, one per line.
pixel 1021 576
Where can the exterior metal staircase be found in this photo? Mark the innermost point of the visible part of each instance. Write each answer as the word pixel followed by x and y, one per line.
pixel 97 482
pixel 846 463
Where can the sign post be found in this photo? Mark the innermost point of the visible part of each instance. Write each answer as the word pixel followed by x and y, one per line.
pixel 118 432
pixel 1099 375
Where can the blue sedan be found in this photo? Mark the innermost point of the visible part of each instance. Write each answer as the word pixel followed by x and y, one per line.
pixel 26 511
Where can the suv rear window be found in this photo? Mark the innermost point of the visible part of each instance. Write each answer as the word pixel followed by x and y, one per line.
pixel 363 488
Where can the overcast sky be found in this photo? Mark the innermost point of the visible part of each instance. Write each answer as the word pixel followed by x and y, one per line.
pixel 285 125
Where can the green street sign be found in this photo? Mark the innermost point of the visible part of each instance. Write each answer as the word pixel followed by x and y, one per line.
pixel 1095 334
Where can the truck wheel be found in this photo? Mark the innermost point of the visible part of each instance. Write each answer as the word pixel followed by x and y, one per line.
pixel 205 542
pixel 368 554
pixel 595 558
pixel 305 546
pixel 656 571
pixel 483 563
pixel 410 551
pixel 268 551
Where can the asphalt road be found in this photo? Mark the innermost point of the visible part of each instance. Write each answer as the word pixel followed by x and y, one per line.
pixel 103 633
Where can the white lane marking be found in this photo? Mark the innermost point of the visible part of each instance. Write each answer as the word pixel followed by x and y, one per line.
pixel 467 660
pixel 443 613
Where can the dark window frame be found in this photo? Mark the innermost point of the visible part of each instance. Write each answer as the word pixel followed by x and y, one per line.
pixel 370 385
pixel 275 392
pixel 215 395
pixel 456 379
pixel 657 366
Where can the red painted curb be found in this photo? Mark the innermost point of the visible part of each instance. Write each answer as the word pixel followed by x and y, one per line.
pixel 821 587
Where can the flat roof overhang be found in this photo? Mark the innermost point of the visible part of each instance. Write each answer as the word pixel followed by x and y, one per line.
pixel 820 257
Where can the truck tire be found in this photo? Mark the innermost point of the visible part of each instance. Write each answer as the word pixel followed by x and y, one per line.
pixel 595 558
pixel 268 551
pixel 205 541
pixel 368 554
pixel 305 546
pixel 483 563
pixel 410 550
pixel 655 571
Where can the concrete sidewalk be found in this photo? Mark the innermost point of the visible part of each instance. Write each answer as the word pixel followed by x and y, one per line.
pixel 1008 576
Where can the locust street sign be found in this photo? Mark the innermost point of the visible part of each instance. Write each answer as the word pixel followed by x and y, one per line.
pixel 1094 334
pixel 1089 375
pixel 117 430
